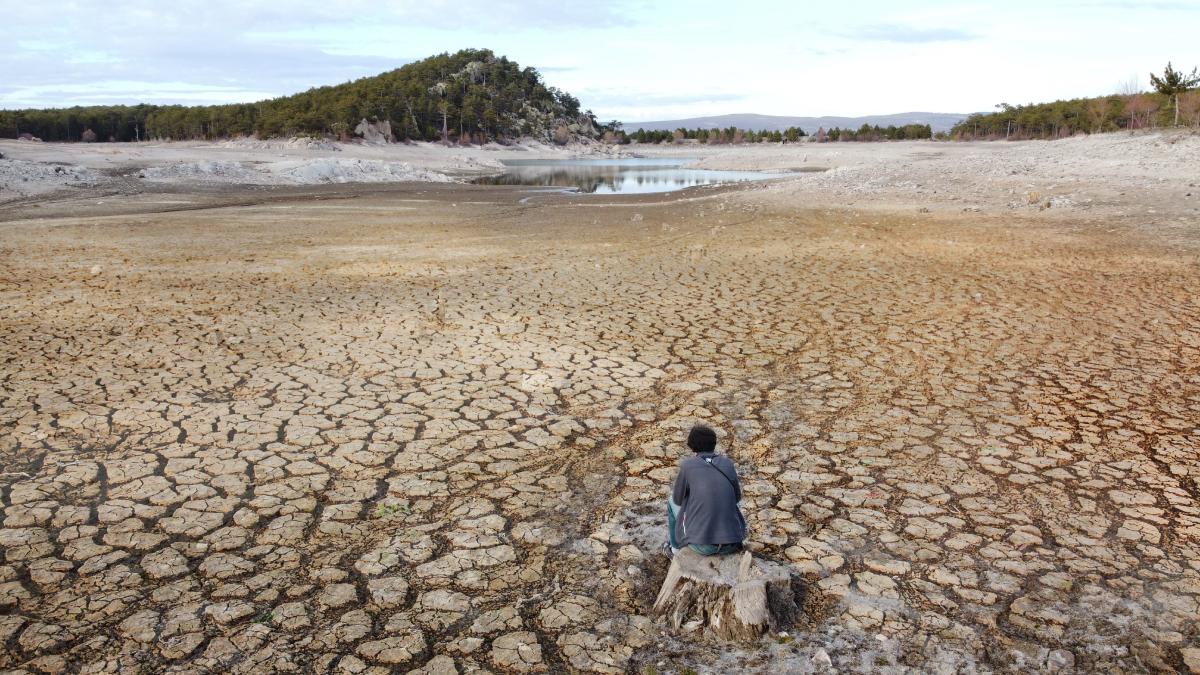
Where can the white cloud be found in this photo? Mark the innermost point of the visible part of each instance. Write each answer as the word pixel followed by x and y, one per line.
pixel 626 60
pixel 890 32
pixel 103 92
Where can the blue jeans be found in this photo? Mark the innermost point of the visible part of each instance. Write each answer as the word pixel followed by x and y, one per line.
pixel 702 549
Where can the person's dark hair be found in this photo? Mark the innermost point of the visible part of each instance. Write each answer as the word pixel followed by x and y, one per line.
pixel 702 439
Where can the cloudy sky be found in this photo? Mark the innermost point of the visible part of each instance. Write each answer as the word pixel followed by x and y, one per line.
pixel 629 60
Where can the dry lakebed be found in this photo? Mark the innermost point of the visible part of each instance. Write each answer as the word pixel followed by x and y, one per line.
pixel 257 419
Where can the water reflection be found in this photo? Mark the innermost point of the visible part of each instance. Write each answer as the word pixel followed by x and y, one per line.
pixel 614 176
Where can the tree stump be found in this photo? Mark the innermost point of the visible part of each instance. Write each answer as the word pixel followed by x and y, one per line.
pixel 737 597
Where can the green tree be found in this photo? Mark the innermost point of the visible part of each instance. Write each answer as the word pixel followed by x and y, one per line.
pixel 1173 83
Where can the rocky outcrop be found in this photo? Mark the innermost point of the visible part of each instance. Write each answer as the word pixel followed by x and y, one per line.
pixel 378 132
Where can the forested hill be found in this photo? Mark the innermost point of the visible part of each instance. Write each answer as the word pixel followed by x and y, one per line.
pixel 472 95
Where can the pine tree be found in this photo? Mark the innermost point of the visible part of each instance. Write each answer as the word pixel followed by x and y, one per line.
pixel 1173 83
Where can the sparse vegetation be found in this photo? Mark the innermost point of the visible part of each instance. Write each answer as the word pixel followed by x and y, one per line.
pixel 1189 108
pixel 1173 102
pixel 734 135
pixel 386 510
pixel 389 509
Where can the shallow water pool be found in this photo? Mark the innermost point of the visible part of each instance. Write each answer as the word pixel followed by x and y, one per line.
pixel 615 176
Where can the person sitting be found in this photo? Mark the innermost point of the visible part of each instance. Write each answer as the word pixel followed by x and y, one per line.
pixel 703 512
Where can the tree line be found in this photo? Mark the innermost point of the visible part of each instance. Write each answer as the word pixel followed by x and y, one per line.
pixel 717 136
pixel 866 132
pixel 469 96
pixel 869 133
pixel 1175 101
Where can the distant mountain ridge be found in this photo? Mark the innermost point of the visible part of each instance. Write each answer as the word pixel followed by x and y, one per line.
pixel 938 121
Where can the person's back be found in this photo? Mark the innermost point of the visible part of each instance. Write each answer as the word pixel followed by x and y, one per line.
pixel 703 511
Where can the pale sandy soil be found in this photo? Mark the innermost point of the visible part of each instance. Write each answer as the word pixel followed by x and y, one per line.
pixel 31 168
pixel 429 426
pixel 1151 176
pixel 1146 176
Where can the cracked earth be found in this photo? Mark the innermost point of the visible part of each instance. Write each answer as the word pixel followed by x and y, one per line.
pixel 430 429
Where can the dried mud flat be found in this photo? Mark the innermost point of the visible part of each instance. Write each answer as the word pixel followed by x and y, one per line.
pixel 430 427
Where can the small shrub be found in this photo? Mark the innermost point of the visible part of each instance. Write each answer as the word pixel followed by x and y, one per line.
pixel 389 509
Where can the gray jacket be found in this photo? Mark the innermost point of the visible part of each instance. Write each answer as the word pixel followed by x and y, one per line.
pixel 707 493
